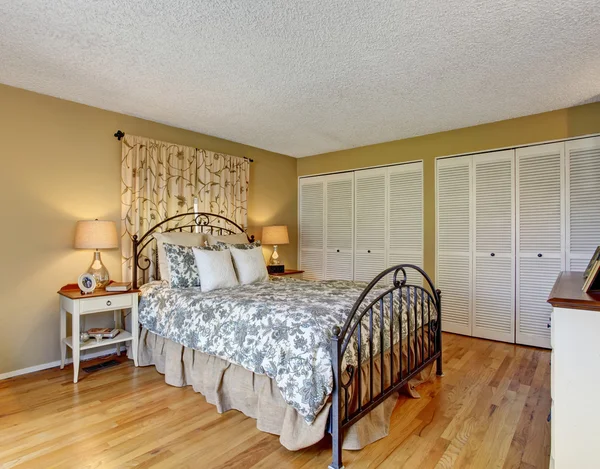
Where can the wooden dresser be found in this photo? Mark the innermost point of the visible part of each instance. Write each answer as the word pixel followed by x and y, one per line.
pixel 575 381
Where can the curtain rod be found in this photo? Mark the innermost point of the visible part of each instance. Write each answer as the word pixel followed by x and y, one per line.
pixel 119 134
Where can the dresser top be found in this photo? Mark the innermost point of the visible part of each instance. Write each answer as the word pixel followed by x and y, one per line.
pixel 567 293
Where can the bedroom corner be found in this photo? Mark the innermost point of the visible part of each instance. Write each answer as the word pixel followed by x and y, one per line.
pixel 62 164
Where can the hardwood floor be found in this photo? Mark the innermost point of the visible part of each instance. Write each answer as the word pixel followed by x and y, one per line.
pixel 489 410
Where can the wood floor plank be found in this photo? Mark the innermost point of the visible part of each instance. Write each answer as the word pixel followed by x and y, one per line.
pixel 489 410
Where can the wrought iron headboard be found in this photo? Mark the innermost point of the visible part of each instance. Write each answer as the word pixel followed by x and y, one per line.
pixel 202 222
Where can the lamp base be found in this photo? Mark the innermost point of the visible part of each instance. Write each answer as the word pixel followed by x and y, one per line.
pixel 99 271
pixel 276 269
pixel 274 257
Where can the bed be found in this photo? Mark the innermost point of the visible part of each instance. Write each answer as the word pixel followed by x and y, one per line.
pixel 304 358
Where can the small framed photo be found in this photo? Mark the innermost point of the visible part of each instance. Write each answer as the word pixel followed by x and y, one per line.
pixel 87 283
pixel 590 265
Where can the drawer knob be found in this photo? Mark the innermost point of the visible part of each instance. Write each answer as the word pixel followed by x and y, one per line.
pixel 493 254
pixel 108 303
pixel 369 251
pixel 548 326
pixel 540 254
pixel 338 250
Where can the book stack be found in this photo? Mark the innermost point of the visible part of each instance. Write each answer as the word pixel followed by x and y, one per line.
pixel 118 286
pixel 106 332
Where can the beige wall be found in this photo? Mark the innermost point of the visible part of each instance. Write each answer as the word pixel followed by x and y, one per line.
pixel 580 120
pixel 60 163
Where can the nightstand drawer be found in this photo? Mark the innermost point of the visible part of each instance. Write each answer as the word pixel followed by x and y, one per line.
pixel 105 303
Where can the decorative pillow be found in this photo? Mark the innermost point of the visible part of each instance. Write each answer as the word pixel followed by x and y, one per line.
pixel 178 238
pixel 239 238
pixel 215 268
pixel 249 264
pixel 252 245
pixel 181 265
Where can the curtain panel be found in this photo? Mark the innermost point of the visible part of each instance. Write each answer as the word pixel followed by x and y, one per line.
pixel 160 180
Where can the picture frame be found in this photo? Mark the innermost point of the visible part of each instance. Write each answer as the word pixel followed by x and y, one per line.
pixel 86 283
pixel 592 283
pixel 593 260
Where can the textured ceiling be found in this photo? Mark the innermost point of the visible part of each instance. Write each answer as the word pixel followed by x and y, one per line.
pixel 307 77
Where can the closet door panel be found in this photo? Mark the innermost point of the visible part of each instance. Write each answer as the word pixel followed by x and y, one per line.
pixel 494 301
pixel 540 238
pixel 338 266
pixel 339 222
pixel 494 314
pixel 536 279
pixel 405 217
pixel 369 223
pixel 454 242
pixel 453 278
pixel 583 201
pixel 312 226
pixel 368 265
pixel 312 264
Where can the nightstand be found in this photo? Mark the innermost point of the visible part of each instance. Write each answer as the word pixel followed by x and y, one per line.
pixel 290 273
pixel 79 305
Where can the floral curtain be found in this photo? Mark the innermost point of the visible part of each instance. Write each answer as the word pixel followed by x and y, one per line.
pixel 160 179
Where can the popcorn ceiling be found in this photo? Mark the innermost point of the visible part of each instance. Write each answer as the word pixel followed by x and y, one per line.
pixel 307 77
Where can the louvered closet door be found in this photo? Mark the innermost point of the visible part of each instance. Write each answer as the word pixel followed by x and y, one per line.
pixel 493 312
pixel 339 222
pixel 583 201
pixel 369 223
pixel 312 216
pixel 453 253
pixel 540 237
pixel 405 217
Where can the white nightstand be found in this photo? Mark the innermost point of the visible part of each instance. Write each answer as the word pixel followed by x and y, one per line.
pixel 72 301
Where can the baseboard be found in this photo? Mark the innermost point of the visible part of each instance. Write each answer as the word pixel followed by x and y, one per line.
pixel 45 366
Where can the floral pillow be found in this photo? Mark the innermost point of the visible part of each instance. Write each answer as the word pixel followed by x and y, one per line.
pixel 252 245
pixel 183 272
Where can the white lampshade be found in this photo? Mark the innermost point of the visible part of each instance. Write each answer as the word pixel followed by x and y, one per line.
pixel 276 234
pixel 96 234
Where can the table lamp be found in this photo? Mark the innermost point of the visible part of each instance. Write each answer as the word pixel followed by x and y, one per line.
pixel 275 235
pixel 97 234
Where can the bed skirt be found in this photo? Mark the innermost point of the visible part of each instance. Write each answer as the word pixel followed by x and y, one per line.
pixel 229 386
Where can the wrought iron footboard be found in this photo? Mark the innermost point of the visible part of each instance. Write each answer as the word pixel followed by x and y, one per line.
pixel 383 323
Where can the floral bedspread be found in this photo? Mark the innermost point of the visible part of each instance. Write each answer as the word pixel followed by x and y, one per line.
pixel 281 328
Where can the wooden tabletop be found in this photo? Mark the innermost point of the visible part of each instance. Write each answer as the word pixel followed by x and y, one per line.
pixel 567 293
pixel 72 291
pixel 288 272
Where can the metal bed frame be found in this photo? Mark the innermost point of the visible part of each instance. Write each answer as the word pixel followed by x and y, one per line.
pixel 398 377
pixel 361 316
pixel 202 222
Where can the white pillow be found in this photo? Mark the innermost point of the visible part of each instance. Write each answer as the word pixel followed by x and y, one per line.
pixel 238 238
pixel 215 269
pixel 180 239
pixel 249 265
